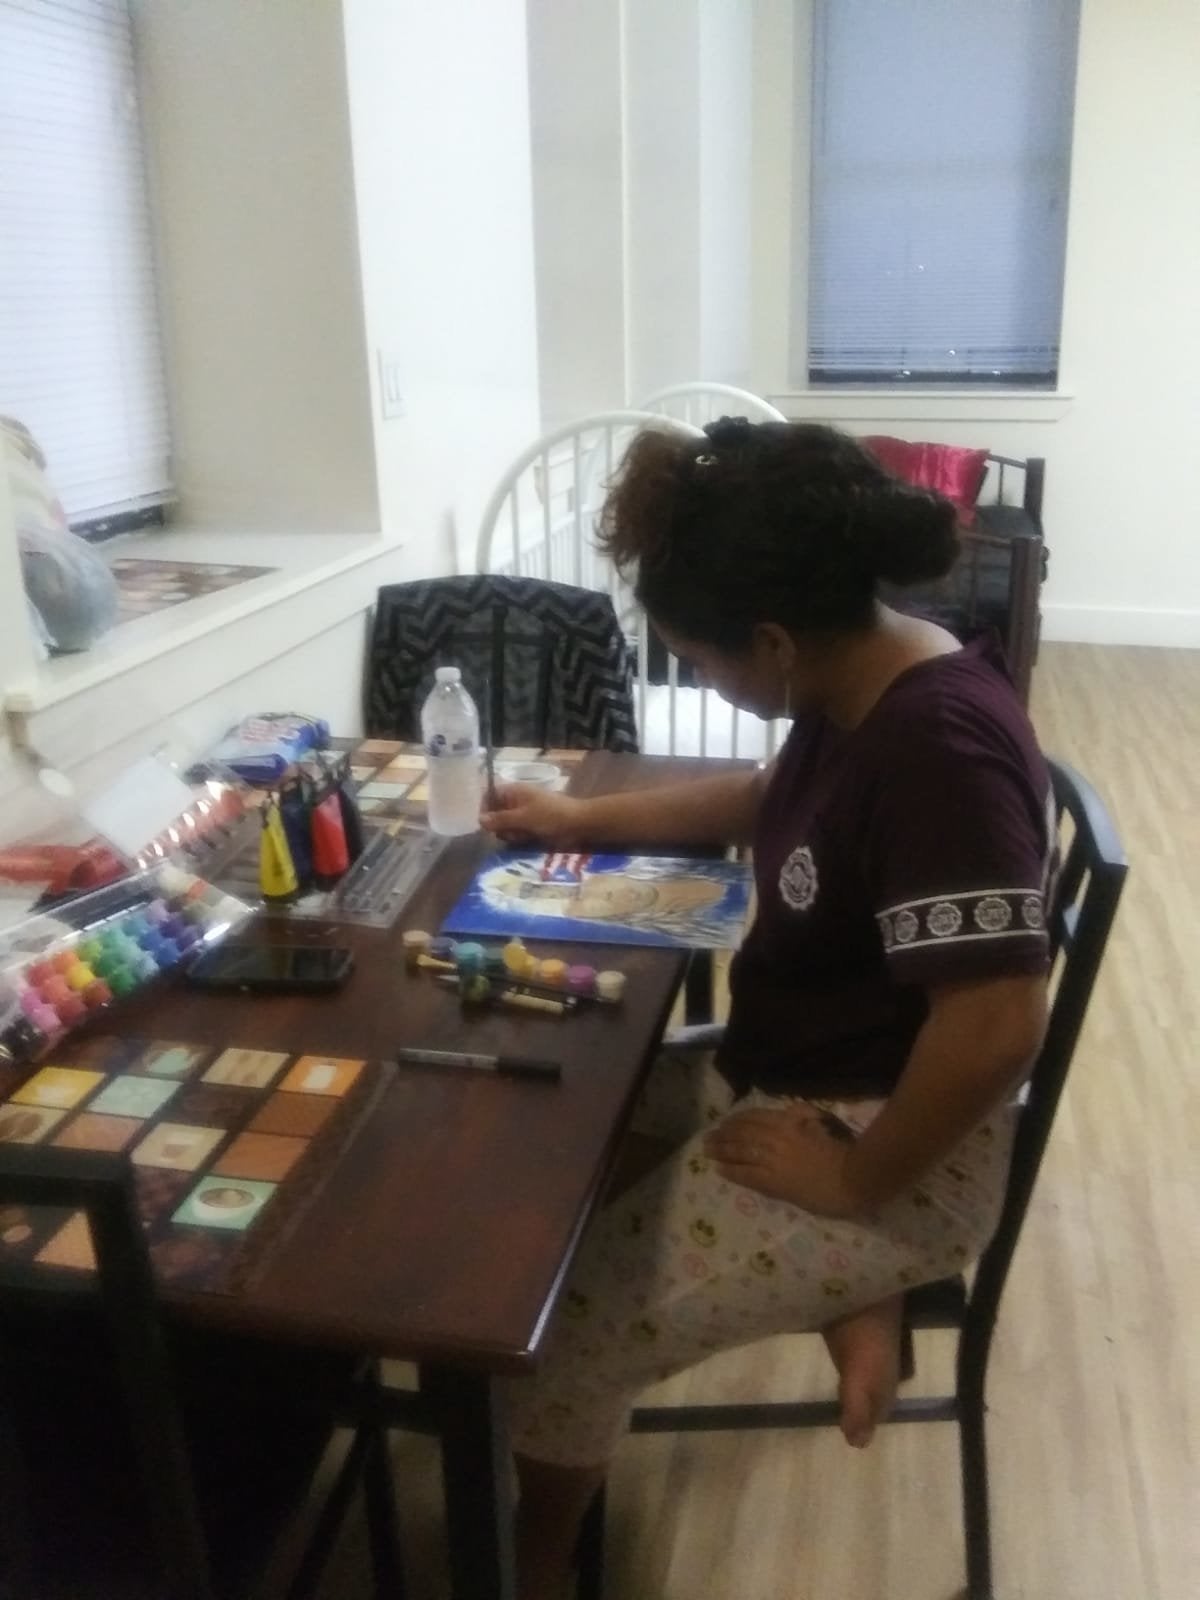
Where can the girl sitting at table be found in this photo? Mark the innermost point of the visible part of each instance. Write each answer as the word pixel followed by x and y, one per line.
pixel 852 1138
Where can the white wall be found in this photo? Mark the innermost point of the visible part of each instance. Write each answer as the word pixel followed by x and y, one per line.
pixel 578 204
pixel 249 135
pixel 440 116
pixel 642 183
pixel 1120 506
pixel 726 187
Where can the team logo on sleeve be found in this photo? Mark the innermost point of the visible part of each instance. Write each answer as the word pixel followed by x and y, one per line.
pixel 798 879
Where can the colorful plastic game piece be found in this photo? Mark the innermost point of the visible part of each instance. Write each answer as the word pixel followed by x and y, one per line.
pixel 581 979
pixel 610 985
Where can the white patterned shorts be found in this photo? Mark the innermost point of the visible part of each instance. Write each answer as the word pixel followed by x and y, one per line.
pixel 684 1263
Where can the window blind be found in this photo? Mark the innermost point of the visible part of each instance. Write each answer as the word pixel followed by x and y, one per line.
pixel 939 159
pixel 80 350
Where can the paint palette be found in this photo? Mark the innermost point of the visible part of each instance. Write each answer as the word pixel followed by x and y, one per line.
pixel 102 948
pixel 227 1147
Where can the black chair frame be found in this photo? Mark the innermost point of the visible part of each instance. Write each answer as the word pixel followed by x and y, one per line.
pixel 1084 903
pixel 101 1185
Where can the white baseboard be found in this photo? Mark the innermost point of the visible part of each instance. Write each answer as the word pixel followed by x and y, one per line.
pixel 1121 625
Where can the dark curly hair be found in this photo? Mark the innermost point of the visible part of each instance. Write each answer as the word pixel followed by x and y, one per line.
pixel 782 522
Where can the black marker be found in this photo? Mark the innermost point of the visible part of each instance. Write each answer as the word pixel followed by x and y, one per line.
pixel 506 1066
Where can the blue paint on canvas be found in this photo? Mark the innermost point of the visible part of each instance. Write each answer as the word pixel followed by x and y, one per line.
pixel 607 899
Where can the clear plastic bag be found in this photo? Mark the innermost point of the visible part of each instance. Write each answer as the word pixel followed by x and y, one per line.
pixel 69 585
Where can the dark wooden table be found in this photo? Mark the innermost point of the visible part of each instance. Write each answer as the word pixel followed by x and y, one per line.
pixel 445 1234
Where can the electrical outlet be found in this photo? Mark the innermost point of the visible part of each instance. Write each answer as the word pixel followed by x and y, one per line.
pixel 391 395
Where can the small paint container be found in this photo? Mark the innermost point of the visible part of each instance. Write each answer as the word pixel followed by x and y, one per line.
pixel 442 949
pixel 55 989
pixel 469 958
pixel 518 959
pixel 610 985
pixel 581 980
pixel 416 943
pixel 552 972
pixel 72 1010
pixel 48 1019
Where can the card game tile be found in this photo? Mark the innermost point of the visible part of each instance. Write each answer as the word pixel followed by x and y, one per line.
pixel 159 1190
pixel 134 1097
pixel 216 1105
pixel 90 1132
pixel 331 1075
pixel 57 1086
pixel 167 1058
pixel 179 1145
pixel 186 1258
pixel 251 1069
pixel 299 1115
pixel 225 1203
pixel 270 1156
pixel 27 1124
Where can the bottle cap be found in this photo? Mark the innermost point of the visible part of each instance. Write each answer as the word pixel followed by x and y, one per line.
pixel 448 675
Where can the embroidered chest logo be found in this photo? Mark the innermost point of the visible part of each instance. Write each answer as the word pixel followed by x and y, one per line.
pixel 798 879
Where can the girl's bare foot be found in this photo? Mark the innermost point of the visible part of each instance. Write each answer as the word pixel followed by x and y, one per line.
pixel 866 1352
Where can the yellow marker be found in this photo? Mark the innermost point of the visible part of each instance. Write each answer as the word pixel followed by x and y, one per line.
pixel 276 870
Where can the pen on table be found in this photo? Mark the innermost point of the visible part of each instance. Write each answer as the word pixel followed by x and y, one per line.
pixel 506 1066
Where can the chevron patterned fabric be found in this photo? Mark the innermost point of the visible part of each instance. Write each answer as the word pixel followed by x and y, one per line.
pixel 546 663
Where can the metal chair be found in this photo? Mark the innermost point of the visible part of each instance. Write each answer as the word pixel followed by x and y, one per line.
pixel 1081 915
pixel 116 1479
pixel 701 402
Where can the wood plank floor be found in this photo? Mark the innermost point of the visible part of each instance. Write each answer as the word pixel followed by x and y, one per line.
pixel 1095 1378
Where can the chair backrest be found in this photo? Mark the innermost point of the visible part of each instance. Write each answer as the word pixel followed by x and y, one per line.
pixel 1083 903
pixel 540 521
pixel 128 1348
pixel 700 402
pixel 546 663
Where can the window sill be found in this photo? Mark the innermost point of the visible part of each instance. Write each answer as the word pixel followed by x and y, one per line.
pixel 837 404
pixel 174 656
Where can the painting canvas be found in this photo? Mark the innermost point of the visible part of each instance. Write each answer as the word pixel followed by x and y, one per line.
pixel 607 899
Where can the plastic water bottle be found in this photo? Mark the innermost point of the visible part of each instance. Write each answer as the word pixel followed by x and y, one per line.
pixel 450 732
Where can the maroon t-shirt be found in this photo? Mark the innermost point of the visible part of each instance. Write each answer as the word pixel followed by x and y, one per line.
pixel 913 850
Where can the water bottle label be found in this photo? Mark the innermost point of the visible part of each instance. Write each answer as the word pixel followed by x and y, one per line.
pixel 439 745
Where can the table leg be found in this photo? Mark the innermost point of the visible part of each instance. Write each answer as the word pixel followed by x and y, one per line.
pixel 476 1481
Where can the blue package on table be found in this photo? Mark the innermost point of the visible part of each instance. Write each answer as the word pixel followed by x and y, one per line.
pixel 261 749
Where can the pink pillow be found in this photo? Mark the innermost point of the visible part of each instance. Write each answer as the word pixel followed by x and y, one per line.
pixel 948 469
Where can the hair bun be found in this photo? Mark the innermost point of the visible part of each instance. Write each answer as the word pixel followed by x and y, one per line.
pixel 906 535
pixel 729 432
